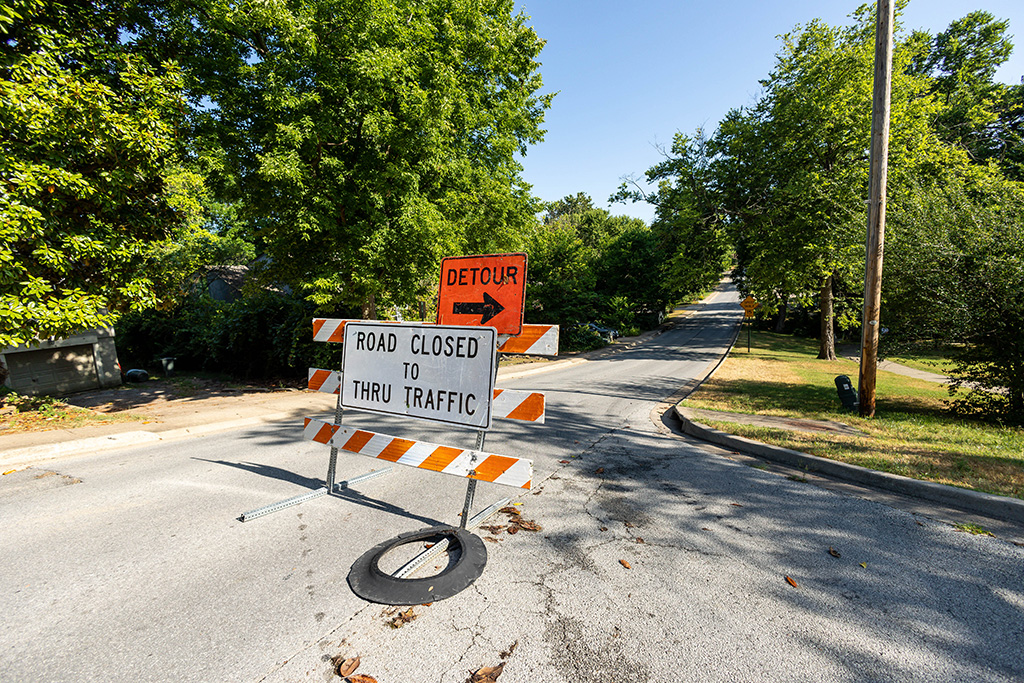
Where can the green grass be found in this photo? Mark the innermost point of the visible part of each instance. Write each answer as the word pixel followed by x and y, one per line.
pixel 912 433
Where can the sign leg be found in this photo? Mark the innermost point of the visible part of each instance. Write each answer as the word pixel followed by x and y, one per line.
pixel 471 487
pixel 333 462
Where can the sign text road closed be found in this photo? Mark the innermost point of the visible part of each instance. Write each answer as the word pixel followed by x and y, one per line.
pixel 433 372
pixel 483 290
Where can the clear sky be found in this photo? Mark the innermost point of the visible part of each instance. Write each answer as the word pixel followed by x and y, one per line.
pixel 631 73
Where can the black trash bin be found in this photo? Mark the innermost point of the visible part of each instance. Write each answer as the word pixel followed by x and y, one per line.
pixel 847 394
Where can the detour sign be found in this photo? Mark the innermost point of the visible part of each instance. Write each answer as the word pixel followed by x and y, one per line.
pixel 483 290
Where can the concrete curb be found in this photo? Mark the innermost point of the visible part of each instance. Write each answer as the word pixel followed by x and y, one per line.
pixel 987 504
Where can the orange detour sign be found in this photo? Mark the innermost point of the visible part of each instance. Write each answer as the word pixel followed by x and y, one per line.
pixel 483 290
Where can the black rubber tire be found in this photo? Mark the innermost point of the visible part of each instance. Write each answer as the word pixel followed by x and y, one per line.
pixel 368 582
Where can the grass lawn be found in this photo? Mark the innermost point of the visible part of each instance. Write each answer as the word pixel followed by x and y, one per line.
pixel 911 434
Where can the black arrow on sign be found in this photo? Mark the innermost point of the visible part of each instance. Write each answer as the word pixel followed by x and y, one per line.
pixel 488 308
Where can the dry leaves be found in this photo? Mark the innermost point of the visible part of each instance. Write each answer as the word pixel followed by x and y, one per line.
pixel 600 470
pixel 564 462
pixel 486 674
pixel 513 529
pixel 625 564
pixel 833 552
pixel 791 582
pixel 400 618
pixel 346 669
pixel 640 540
pixel 509 510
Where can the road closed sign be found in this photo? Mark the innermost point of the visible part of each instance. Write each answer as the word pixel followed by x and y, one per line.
pixel 483 290
pixel 431 372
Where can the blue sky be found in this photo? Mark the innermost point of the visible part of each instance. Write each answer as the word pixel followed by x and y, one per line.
pixel 629 75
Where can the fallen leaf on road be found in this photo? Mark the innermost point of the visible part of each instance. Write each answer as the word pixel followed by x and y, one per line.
pixel 513 530
pixel 833 552
pixel 791 582
pixel 508 653
pixel 625 564
pixel 361 678
pixel 509 510
pixel 491 539
pixel 736 505
pixel 564 462
pixel 528 525
pixel 604 528
pixel 9 472
pixel 640 540
pixel 486 674
pixel 403 618
pixel 629 525
pixel 864 564
pixel 600 470
pixel 346 667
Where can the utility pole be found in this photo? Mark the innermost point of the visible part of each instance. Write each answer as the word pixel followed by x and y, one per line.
pixel 876 211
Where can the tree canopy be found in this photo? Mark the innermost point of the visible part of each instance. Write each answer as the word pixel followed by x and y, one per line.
pixel 364 141
pixel 89 140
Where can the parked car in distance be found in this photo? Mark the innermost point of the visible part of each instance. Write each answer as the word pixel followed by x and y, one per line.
pixel 606 332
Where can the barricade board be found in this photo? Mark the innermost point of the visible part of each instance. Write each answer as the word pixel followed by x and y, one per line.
pixel 460 462
pixel 431 372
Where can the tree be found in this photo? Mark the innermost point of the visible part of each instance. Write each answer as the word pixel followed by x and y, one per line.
pixel 793 168
pixel 962 63
pixel 688 232
pixel 89 140
pixel 956 267
pixel 364 142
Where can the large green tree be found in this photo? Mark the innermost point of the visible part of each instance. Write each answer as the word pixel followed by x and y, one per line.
pixel 364 141
pixel 794 167
pixel 88 143
pixel 688 232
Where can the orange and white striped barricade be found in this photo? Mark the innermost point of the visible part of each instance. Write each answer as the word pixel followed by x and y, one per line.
pixel 534 340
pixel 460 462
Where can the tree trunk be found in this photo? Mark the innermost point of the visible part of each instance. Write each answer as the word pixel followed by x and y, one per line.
pixel 780 318
pixel 370 307
pixel 827 347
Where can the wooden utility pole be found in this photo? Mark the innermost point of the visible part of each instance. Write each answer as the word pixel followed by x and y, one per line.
pixel 876 211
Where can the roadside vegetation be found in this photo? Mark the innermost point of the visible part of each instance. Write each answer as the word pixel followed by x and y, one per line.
pixel 20 413
pixel 913 433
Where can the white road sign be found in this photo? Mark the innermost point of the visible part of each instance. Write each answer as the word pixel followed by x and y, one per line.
pixel 432 372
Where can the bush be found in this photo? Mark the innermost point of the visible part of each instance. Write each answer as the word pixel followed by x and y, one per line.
pixel 263 336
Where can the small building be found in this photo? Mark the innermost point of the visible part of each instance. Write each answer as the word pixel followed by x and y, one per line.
pixel 62 366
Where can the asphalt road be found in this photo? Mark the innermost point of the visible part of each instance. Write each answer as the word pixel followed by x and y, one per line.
pixel 132 565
